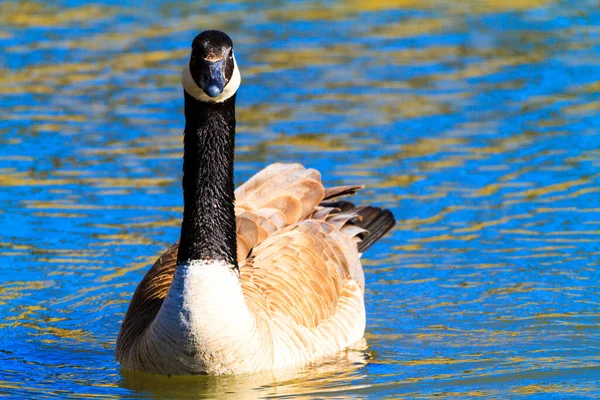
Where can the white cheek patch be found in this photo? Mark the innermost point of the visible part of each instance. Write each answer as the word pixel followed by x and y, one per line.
pixel 196 92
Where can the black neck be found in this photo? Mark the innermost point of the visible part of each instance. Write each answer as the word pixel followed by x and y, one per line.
pixel 208 229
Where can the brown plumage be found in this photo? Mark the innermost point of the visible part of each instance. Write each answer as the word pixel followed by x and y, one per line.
pixel 299 265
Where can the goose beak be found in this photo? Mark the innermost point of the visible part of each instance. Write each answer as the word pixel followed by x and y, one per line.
pixel 213 79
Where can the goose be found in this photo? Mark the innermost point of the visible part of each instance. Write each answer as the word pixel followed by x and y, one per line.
pixel 263 278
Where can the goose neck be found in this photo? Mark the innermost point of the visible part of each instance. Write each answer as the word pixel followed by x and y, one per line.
pixel 208 230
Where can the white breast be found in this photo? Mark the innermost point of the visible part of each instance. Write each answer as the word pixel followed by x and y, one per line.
pixel 204 324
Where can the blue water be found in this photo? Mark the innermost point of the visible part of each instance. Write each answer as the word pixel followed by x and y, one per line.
pixel 477 123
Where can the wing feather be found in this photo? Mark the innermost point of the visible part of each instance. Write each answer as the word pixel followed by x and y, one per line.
pixel 302 271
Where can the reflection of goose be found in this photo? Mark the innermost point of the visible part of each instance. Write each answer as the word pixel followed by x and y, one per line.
pixel 272 283
pixel 331 375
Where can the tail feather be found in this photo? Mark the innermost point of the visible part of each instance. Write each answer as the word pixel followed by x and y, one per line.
pixel 376 221
pixel 339 191
pixel 342 205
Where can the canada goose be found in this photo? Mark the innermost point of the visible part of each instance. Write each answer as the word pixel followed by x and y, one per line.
pixel 270 283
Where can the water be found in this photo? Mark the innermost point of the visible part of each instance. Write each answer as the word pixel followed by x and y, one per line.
pixel 476 122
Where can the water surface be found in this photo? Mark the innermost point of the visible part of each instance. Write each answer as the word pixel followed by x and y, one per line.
pixel 476 122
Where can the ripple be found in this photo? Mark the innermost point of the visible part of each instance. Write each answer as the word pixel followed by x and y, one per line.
pixel 473 121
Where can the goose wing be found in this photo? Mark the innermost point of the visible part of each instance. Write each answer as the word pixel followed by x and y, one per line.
pixel 278 196
pixel 302 275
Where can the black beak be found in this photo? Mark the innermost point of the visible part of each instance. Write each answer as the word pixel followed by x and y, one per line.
pixel 213 80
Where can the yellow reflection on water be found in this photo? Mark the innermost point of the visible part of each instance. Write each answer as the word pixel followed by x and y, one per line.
pixel 549 189
pixel 36 14
pixel 344 9
pixel 315 142
pixel 528 390
pixel 140 263
pixel 333 375
pixel 12 290
pixel 416 27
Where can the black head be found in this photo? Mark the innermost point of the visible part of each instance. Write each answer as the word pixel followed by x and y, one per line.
pixel 212 63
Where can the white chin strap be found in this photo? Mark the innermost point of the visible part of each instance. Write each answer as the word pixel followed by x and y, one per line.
pixel 196 92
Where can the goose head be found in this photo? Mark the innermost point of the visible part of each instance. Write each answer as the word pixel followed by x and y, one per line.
pixel 211 74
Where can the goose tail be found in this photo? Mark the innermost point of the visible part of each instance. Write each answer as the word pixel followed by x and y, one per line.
pixel 376 221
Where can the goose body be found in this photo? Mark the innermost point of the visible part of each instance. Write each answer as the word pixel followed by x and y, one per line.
pixel 272 282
